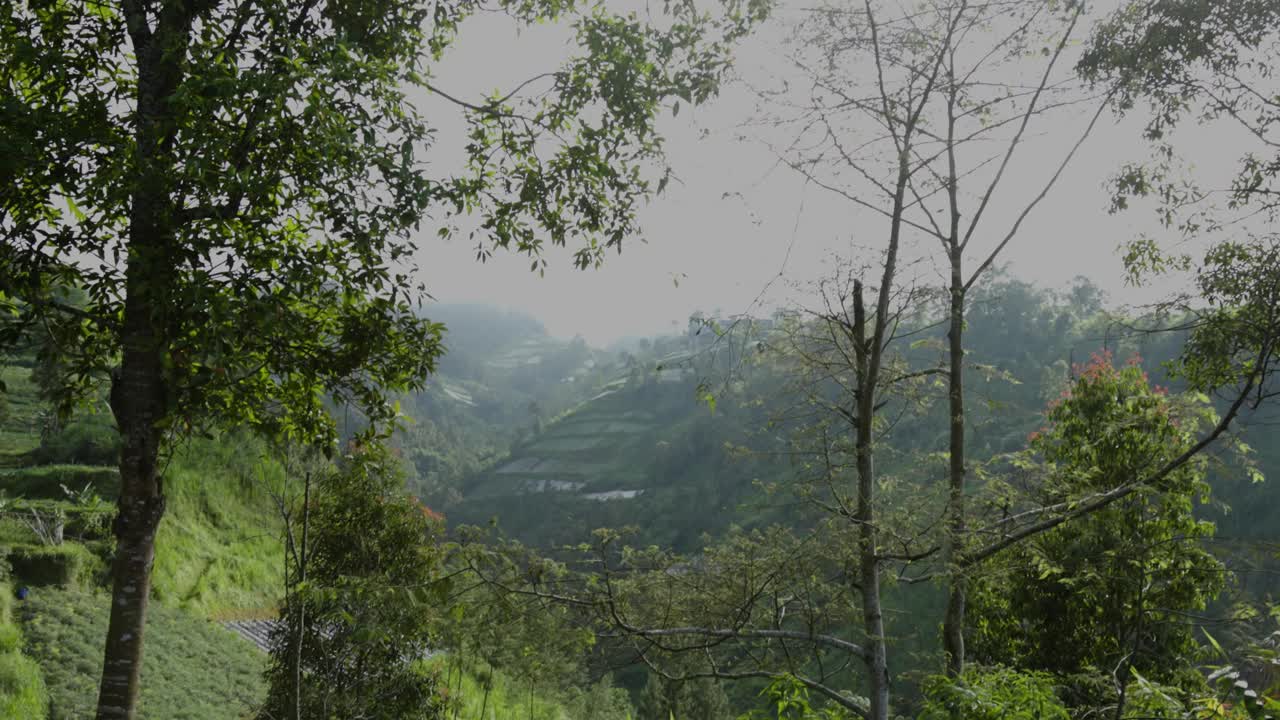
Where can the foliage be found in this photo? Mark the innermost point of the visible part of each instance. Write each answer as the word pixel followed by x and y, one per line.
pixel 19 432
pixel 993 693
pixel 1198 60
pixel 90 439
pixel 479 691
pixel 1110 590
pixel 357 617
pixel 22 689
pixel 599 701
pixel 662 699
pixel 294 218
pixel 194 670
pixel 250 179
pixel 788 699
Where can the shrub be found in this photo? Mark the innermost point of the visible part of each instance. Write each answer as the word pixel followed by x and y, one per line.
pixel 46 481
pixel 993 693
pixel 67 565
pixel 91 440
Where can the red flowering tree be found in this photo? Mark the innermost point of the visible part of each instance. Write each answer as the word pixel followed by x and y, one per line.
pixel 1111 592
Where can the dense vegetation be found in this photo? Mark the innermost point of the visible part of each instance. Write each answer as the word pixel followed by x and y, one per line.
pixel 917 487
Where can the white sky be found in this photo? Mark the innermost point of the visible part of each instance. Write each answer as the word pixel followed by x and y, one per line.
pixel 726 250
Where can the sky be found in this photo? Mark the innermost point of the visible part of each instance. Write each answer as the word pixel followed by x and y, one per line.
pixel 739 232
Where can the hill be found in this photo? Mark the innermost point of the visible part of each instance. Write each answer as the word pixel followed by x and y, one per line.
pixel 645 449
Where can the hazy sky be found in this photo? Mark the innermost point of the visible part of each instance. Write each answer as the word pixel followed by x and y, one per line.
pixel 737 218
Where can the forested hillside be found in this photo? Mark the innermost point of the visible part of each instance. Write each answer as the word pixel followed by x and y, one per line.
pixel 648 449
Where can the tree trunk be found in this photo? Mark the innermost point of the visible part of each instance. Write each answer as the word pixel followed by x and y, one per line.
pixel 868 362
pixel 137 398
pixel 300 637
pixel 953 623
pixel 139 389
pixel 872 612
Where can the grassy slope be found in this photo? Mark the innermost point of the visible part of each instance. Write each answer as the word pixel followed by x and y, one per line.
pixel 19 432
pixel 193 669
pixel 218 551
pixel 22 688
pixel 218 554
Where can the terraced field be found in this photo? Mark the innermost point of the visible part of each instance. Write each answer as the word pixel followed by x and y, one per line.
pixel 584 454
pixel 19 425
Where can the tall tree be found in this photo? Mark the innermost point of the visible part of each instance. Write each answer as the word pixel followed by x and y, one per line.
pixel 237 187
pixel 363 574
pixel 915 116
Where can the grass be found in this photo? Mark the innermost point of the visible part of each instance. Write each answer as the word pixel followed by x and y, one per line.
pixel 218 552
pixel 508 699
pixel 192 670
pixel 22 689
pixel 19 431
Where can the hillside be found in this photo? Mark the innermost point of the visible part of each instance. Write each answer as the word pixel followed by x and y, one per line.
pixel 219 553
pixel 646 450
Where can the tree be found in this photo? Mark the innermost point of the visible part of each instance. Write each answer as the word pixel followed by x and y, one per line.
pixel 662 699
pixel 1113 592
pixel 935 89
pixel 914 116
pixel 236 187
pixel 364 573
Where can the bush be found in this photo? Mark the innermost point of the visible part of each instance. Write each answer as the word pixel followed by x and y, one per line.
pixel 46 481
pixel 993 693
pixel 67 565
pixel 91 440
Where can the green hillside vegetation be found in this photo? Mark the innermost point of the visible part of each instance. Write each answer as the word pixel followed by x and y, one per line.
pixel 23 693
pixel 221 557
pixel 648 450
pixel 194 669
pixel 633 442
pixel 19 414
pixel 490 694
pixel 643 453
pixel 219 553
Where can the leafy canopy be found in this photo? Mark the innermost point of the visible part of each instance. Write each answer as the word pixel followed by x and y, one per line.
pixel 276 152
